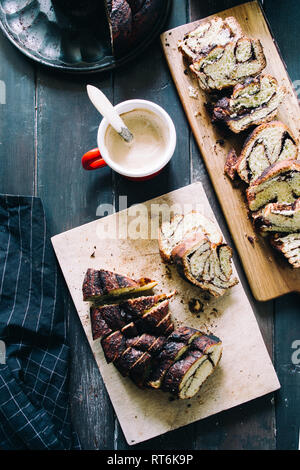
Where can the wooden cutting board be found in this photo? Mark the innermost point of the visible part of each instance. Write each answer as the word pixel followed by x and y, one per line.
pixel 245 371
pixel 268 273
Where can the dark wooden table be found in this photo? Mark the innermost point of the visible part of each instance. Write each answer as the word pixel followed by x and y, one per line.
pixel 46 124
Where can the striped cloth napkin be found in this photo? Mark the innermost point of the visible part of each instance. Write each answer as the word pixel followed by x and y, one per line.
pixel 34 411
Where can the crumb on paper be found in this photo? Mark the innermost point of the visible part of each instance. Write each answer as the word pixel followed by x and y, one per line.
pixel 193 93
pixel 196 306
pixel 197 113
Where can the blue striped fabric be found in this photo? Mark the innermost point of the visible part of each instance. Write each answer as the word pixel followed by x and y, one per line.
pixel 34 411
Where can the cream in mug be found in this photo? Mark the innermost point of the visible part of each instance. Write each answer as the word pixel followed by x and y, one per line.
pixel 150 140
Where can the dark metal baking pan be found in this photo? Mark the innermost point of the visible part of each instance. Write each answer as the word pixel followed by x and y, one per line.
pixel 68 40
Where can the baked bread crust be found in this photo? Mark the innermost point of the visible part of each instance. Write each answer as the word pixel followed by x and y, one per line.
pixel 172 233
pixel 99 285
pixel 142 314
pixel 289 247
pixel 215 32
pixel 276 217
pixel 252 103
pixel 269 143
pixel 129 21
pixel 226 66
pixel 279 182
pixel 205 265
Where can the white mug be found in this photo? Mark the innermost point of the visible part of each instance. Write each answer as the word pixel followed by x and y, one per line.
pixel 99 157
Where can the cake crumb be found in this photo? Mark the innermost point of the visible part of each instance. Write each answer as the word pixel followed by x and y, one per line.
pixel 196 306
pixel 193 93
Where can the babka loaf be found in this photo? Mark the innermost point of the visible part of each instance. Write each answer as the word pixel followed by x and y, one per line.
pixel 130 21
pixel 204 264
pixel 269 143
pixel 226 66
pixel 216 32
pixel 252 103
pixel 289 246
pixel 138 337
pixel 276 217
pixel 102 285
pixel 278 183
pixel 172 233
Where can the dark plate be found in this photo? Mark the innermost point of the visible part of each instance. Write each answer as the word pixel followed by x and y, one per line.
pixel 67 39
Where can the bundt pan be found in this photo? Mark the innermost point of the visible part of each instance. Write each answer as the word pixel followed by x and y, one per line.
pixel 75 35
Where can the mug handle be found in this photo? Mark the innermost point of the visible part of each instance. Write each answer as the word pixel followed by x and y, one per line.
pixel 92 160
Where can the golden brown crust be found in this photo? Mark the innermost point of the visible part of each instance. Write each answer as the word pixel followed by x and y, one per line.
pixel 233 113
pixel 186 245
pixel 229 78
pixel 253 136
pixel 272 171
pixel 229 24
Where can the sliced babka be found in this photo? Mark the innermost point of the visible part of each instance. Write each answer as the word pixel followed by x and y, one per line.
pixel 226 66
pixel 275 217
pixel 252 103
pixel 147 343
pixel 278 183
pixel 204 264
pixel 172 233
pixel 210 345
pixel 269 143
pixel 113 346
pixel 131 316
pixel 215 32
pixel 175 346
pixel 171 363
pixel 131 21
pixel 100 285
pixel 289 246
pixel 185 377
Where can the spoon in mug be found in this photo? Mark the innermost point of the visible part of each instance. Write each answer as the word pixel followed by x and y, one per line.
pixel 104 106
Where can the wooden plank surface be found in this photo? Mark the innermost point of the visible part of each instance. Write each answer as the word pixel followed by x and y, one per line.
pixel 245 372
pixel 269 275
pixel 66 128
pixel 17 121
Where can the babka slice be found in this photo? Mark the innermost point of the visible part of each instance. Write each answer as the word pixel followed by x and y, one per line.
pixel 226 66
pixel 269 143
pixel 289 246
pixel 131 316
pixel 113 346
pixel 210 345
pixel 175 346
pixel 100 285
pixel 278 183
pixel 172 233
pixel 215 32
pixel 252 103
pixel 276 217
pixel 185 377
pixel 147 343
pixel 205 265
